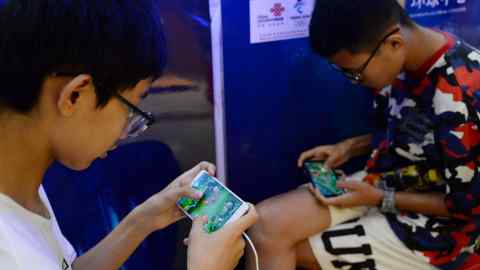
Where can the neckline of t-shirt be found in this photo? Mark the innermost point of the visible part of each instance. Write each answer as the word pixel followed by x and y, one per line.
pixel 427 65
pixel 31 215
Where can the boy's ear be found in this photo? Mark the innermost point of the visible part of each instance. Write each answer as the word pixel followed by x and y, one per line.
pixel 72 93
pixel 396 41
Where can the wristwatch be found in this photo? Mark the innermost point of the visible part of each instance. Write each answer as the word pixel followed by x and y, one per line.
pixel 388 202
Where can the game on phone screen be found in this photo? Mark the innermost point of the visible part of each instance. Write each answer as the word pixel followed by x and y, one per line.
pixel 218 203
pixel 325 180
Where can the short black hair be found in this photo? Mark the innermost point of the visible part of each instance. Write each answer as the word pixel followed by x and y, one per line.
pixel 117 42
pixel 353 25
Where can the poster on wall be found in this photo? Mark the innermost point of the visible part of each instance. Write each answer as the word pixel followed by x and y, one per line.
pixel 429 8
pixel 459 17
pixel 274 20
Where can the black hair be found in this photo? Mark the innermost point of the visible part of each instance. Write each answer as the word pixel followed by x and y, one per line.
pixel 353 25
pixel 117 42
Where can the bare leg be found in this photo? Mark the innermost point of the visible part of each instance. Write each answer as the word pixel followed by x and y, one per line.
pixel 286 222
pixel 305 257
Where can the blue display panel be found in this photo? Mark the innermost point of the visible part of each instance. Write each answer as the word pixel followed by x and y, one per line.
pixel 280 99
pixel 455 16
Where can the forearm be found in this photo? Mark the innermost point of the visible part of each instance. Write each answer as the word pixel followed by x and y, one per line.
pixel 360 145
pixel 112 252
pixel 423 203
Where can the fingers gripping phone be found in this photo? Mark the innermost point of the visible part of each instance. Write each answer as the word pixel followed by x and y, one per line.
pixel 323 179
pixel 218 203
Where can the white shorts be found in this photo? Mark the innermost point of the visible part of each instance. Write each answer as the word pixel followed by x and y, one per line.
pixel 366 242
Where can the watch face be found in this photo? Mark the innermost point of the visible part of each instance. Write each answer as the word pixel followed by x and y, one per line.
pixel 388 203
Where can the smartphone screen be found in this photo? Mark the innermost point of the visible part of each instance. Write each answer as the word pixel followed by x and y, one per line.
pixel 323 179
pixel 218 203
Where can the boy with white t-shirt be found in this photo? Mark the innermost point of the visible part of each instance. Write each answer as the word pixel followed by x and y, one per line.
pixel 72 74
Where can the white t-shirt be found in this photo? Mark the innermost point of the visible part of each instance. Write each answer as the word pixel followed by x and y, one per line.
pixel 29 241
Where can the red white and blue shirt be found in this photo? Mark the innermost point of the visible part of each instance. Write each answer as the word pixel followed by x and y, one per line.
pixel 429 121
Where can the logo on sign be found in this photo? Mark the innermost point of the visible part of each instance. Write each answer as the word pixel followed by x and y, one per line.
pixel 277 10
pixel 300 6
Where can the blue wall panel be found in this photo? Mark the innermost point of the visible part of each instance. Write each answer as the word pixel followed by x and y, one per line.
pixel 280 100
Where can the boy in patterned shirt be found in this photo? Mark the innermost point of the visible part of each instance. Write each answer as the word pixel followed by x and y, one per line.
pixel 417 204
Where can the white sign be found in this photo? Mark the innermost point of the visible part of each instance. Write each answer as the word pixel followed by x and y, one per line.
pixel 272 20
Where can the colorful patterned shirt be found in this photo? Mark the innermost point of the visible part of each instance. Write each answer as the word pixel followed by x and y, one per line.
pixel 429 142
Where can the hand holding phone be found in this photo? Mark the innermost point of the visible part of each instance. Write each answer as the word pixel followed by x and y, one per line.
pixel 218 203
pixel 323 179
pixel 219 250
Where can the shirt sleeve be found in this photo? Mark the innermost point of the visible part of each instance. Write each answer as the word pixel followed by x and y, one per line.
pixel 458 137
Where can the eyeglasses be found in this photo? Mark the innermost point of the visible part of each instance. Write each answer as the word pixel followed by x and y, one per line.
pixel 356 75
pixel 138 121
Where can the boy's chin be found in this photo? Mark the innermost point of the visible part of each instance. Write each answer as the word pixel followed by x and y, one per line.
pixel 78 166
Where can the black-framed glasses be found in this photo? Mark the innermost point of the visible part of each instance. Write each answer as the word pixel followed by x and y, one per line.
pixel 138 120
pixel 356 75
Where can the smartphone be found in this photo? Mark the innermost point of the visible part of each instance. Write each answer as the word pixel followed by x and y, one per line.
pixel 218 203
pixel 323 179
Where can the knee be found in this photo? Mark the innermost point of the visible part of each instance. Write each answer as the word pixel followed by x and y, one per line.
pixel 270 228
